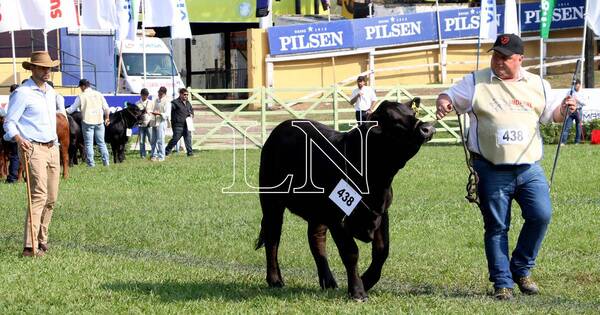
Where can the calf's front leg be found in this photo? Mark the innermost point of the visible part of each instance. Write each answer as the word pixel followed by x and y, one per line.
pixel 349 253
pixel 379 253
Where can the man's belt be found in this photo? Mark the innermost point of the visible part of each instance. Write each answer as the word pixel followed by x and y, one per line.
pixel 44 144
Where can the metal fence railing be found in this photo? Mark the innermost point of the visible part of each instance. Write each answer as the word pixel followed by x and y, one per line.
pixel 221 123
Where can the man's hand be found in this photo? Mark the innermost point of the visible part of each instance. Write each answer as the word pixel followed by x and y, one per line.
pixel 444 106
pixel 23 143
pixel 569 102
pixel 107 121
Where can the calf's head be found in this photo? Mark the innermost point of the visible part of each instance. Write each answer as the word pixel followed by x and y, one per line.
pixel 400 136
pixel 400 128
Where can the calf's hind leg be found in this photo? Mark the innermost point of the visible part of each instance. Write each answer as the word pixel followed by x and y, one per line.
pixel 317 239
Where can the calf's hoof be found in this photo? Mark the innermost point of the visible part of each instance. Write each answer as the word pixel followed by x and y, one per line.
pixel 275 282
pixel 359 297
pixel 328 283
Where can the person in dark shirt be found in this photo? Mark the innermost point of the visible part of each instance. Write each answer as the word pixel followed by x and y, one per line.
pixel 182 115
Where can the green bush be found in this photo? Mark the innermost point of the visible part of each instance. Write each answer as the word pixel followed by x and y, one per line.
pixel 551 132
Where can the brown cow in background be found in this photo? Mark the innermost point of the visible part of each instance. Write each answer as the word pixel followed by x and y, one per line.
pixel 64 138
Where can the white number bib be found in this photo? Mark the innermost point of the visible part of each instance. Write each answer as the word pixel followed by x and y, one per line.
pixel 512 136
pixel 345 197
pixel 128 132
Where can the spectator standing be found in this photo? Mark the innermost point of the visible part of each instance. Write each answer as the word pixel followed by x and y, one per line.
pixel 506 105
pixel 13 153
pixel 31 123
pixel 158 123
pixel 144 131
pixel 575 116
pixel 363 98
pixel 94 115
pixel 181 115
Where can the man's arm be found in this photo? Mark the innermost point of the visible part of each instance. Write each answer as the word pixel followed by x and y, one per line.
pixel 76 104
pixel 106 111
pixel 16 107
pixel 355 97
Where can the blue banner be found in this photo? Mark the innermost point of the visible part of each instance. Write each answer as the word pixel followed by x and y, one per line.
pixel 305 38
pixel 394 30
pixel 411 28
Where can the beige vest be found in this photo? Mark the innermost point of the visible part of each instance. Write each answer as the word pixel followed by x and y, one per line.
pixel 507 116
pixel 92 112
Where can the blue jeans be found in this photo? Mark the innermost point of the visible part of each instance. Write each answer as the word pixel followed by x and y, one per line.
pixel 91 133
pixel 158 141
pixel 145 134
pixel 498 186
pixel 575 116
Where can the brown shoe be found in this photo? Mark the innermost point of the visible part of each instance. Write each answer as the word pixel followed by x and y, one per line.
pixel 43 247
pixel 503 294
pixel 28 252
pixel 527 285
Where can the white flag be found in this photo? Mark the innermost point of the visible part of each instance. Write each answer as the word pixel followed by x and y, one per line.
pixel 127 13
pixel 593 12
pixel 159 12
pixel 9 20
pixel 99 15
pixel 181 21
pixel 33 14
pixel 511 20
pixel 488 27
pixel 62 14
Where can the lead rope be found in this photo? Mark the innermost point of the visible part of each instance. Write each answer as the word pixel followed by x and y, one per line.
pixel 473 180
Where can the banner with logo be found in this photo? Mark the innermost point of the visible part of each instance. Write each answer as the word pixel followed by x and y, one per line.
pixel 181 21
pixel 310 37
pixel 411 28
pixel 394 30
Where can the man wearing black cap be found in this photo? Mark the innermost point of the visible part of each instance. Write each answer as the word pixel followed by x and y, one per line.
pixel 505 105
pixel 94 115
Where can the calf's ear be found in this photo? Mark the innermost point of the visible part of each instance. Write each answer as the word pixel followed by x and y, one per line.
pixel 416 102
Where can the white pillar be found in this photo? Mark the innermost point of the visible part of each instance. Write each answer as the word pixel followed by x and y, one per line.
pixel 14 56
pixel 80 43
pixel 144 38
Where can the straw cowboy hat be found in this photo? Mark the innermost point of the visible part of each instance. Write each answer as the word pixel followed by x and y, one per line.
pixel 42 59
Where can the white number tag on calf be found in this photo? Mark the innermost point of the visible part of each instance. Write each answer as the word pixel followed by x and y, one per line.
pixel 128 132
pixel 345 197
pixel 512 136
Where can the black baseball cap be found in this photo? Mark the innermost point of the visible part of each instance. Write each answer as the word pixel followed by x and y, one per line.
pixel 84 82
pixel 508 45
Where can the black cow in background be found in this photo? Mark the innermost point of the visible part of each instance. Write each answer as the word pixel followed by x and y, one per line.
pixel 116 131
pixel 395 139
pixel 76 139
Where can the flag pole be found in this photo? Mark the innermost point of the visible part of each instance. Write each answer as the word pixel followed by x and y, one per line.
pixel 80 41
pixel 14 56
pixel 585 21
pixel 144 38
pixel 439 29
pixel 45 40
pixel 541 56
pixel 172 64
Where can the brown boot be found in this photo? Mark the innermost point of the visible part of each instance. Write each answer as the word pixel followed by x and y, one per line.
pixel 28 252
pixel 503 294
pixel 527 285
pixel 43 248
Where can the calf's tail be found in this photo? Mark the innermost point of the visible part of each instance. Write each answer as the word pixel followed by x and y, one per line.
pixel 260 241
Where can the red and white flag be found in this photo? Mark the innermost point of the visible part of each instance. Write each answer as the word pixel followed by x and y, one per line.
pixel 9 19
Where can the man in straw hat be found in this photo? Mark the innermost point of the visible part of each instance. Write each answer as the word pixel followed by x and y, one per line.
pixel 31 123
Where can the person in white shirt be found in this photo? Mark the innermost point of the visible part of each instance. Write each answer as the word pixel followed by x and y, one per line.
pixel 575 116
pixel 95 115
pixel 144 130
pixel 160 111
pixel 506 105
pixel 363 98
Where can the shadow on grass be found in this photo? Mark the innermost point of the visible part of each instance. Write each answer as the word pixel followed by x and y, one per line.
pixel 170 291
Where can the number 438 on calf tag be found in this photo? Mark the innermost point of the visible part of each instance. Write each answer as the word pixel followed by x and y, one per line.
pixel 345 197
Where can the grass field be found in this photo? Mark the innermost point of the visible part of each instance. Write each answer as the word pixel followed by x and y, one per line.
pixel 143 237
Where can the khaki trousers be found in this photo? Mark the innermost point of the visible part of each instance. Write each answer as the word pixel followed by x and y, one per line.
pixel 44 174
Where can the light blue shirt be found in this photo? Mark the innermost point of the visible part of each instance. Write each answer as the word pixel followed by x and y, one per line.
pixel 31 114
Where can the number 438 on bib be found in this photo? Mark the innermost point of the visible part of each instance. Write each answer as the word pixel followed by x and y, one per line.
pixel 345 197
